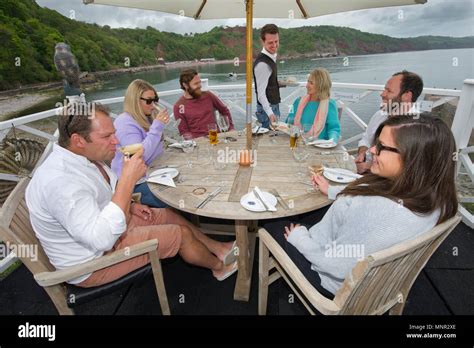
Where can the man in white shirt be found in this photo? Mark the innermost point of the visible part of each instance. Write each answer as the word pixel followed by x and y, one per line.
pixel 267 86
pixel 398 98
pixel 79 210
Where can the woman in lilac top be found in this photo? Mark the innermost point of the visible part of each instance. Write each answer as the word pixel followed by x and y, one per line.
pixel 140 123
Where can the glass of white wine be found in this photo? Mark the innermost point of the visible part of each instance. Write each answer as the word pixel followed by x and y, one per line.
pixel 307 133
pixel 300 155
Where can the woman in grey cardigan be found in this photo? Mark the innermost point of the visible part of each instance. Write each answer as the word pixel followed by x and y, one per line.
pixel 410 190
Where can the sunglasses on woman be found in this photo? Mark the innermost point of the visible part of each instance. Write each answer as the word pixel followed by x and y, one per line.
pixel 379 147
pixel 150 100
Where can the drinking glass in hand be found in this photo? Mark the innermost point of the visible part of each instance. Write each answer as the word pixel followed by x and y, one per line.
pixel 212 127
pixel 160 107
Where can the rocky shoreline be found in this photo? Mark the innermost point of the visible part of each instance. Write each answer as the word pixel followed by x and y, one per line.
pixel 14 101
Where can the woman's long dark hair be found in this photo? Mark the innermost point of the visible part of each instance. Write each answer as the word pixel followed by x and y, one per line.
pixel 428 154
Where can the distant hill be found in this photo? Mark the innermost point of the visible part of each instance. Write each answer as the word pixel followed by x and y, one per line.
pixel 28 34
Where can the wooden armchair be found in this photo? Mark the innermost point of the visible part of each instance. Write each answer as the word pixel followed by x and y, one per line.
pixel 15 228
pixel 379 283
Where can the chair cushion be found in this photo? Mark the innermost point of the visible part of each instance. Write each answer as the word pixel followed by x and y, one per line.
pixel 77 295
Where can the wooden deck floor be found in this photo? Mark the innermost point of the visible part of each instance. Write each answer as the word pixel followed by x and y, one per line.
pixel 445 287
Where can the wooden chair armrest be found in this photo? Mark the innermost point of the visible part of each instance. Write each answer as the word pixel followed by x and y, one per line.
pixel 321 303
pixel 63 275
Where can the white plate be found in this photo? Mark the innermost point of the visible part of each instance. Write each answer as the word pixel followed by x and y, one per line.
pixel 250 202
pixel 173 172
pixel 341 178
pixel 262 130
pixel 324 145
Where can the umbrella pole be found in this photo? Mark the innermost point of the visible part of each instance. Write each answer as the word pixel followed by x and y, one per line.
pixel 249 72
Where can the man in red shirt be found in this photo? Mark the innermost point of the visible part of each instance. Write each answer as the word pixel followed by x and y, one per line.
pixel 196 108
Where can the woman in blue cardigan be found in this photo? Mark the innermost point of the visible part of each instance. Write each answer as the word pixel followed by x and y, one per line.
pixel 316 109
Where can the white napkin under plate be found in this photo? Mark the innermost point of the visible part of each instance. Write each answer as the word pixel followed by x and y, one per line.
pixel 261 130
pixel 270 206
pixel 322 142
pixel 164 179
pixel 180 145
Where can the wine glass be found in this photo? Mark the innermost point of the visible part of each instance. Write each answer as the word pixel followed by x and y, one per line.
pixel 223 123
pixel 300 155
pixel 159 106
pixel 307 133
pixel 188 147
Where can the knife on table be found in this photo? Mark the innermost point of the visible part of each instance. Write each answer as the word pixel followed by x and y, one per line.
pixel 280 199
pixel 208 198
pixel 260 198
pixel 337 172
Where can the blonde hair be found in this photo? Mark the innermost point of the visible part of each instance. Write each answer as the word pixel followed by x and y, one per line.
pixel 322 82
pixel 132 105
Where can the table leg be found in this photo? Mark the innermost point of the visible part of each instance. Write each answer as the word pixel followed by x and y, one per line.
pixel 245 233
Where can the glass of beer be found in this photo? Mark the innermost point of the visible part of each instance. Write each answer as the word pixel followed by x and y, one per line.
pixel 212 127
pixel 294 135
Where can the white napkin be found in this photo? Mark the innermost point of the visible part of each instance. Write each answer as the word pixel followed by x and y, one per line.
pixel 322 142
pixel 269 205
pixel 164 179
pixel 261 130
pixel 179 145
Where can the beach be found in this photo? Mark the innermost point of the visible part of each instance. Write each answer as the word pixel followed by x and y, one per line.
pixel 10 105
pixel 14 101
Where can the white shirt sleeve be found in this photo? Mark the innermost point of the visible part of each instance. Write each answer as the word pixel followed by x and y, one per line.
pixel 262 75
pixel 77 211
pixel 372 126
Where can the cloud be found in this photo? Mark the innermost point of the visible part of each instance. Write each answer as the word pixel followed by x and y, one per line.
pixel 436 17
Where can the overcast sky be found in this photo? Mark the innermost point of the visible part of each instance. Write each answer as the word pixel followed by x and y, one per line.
pixel 436 17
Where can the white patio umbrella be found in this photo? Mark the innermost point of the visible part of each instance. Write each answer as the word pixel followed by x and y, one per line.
pixel 221 9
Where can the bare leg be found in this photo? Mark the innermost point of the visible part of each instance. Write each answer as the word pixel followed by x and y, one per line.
pixel 217 248
pixel 196 253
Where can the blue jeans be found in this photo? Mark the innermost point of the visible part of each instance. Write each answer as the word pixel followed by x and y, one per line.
pixel 262 116
pixel 148 198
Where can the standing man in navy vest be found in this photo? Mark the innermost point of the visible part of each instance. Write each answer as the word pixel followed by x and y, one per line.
pixel 267 87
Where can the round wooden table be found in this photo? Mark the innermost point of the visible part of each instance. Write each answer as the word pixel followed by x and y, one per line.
pixel 274 168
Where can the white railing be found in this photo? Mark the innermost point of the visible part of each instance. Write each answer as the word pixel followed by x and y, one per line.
pixel 234 97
